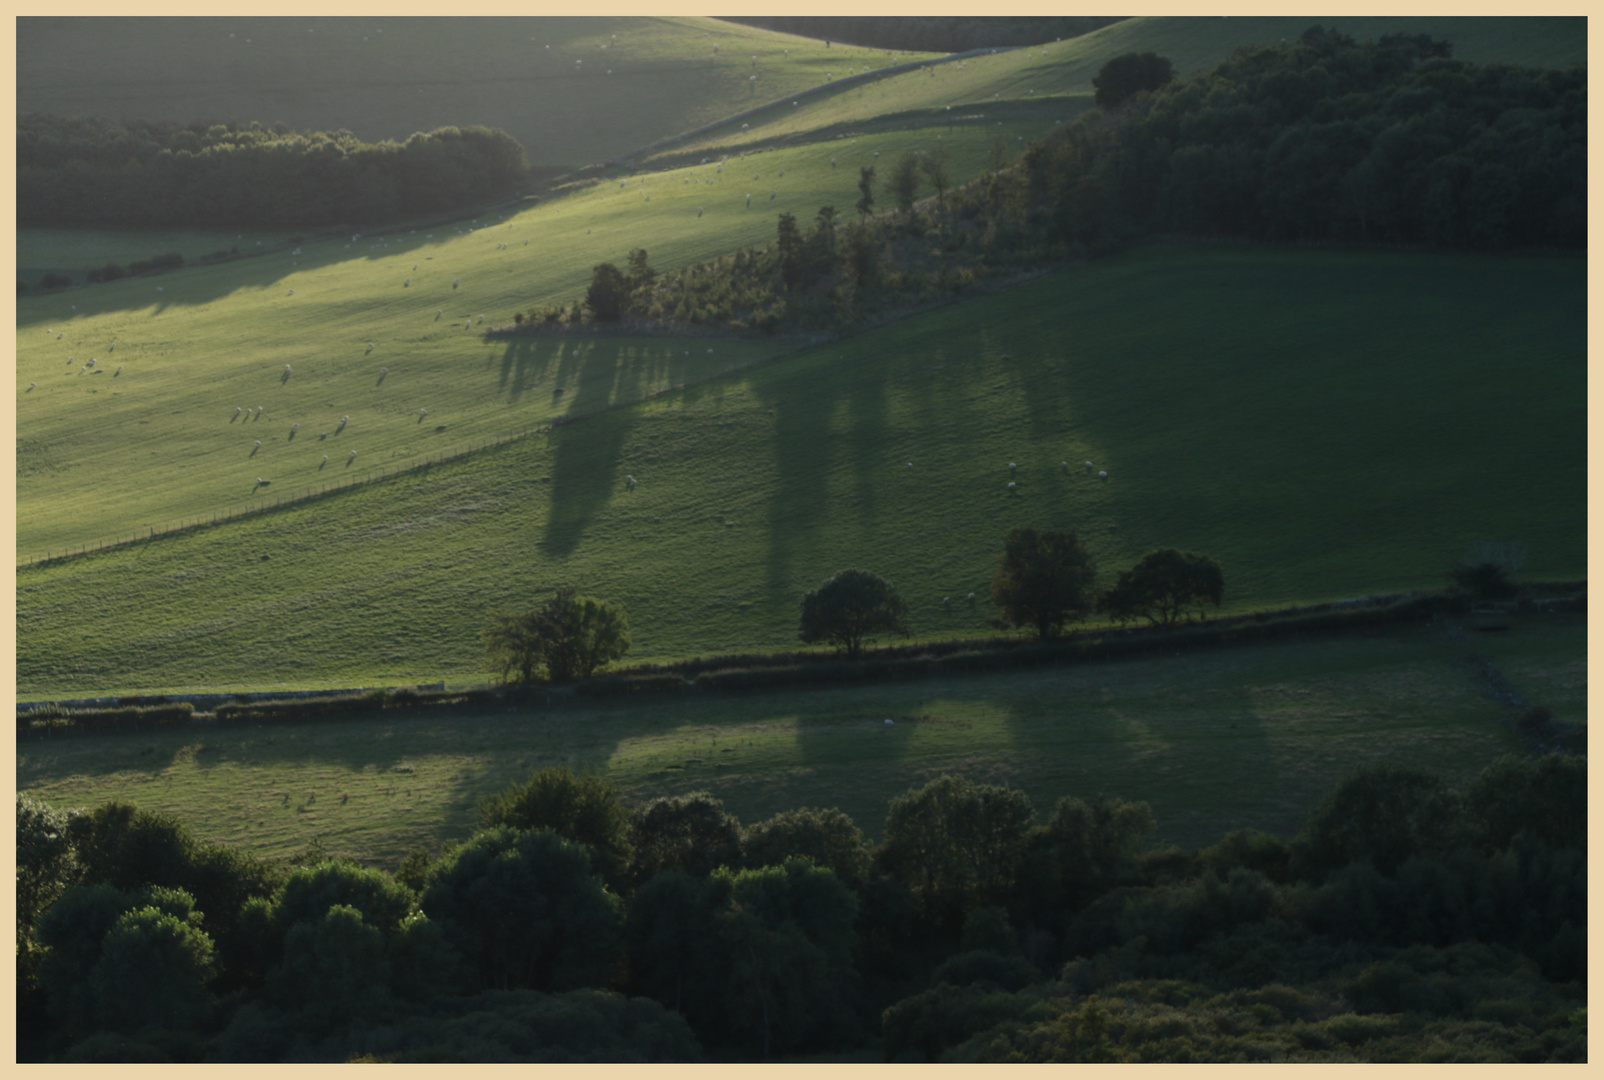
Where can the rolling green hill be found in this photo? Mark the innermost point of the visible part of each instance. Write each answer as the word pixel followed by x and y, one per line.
pixel 1325 424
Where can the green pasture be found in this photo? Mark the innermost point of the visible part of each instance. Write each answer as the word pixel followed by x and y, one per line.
pixel 574 90
pixel 1219 740
pixel 1325 424
pixel 110 455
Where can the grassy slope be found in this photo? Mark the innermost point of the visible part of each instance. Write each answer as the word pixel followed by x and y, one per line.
pixel 1215 741
pixel 107 457
pixel 1325 424
pixel 390 77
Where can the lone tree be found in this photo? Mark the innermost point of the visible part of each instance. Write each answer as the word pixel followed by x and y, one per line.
pixel 850 607
pixel 568 637
pixel 1123 77
pixel 904 182
pixel 609 292
pixel 1044 579
pixel 1163 586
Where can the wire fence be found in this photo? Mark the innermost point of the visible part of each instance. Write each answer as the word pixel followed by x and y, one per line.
pixel 317 491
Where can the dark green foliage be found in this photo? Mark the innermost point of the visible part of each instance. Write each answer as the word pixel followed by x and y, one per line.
pixel 568 637
pixel 1044 580
pixel 1251 849
pixel 152 973
pixel 957 845
pixel 987 968
pixel 334 971
pixel 904 182
pixel 641 275
pixel 150 174
pixel 672 923
pixel 1385 816
pixel 789 940
pixel 1545 798
pixel 310 891
pixel 46 866
pixel 1123 77
pixel 1084 850
pixel 850 608
pixel 526 1026
pixel 865 203
pixel 526 911
pixel 829 837
pixel 580 807
pixel 691 832
pixel 1163 586
pixel 608 295
pixel 922 1027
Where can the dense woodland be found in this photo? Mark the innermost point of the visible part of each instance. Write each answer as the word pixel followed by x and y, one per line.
pixel 1325 139
pixel 943 33
pixel 149 174
pixel 1407 921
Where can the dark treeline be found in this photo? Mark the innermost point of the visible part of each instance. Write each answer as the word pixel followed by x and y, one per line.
pixel 1321 140
pixel 931 34
pixel 142 173
pixel 1407 921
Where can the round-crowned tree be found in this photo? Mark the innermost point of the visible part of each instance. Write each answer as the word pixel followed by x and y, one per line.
pixel 568 637
pixel 851 607
pixel 1123 77
pixel 1044 579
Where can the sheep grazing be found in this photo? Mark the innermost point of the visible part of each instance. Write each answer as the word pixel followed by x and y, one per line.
pixel 32 385
pixel 1012 485
pixel 1088 466
pixel 407 283
pixel 58 337
pixel 238 410
pixel 286 369
pixel 295 427
pixel 384 371
pixel 91 362
pixel 631 481
pixel 749 202
pixel 353 453
pixel 370 346
pixel 118 372
pixel 292 292
pixel 325 457
pixel 423 412
pixel 258 442
pixel 698 212
pixel 344 420
pixel 971 596
pixel 414 267
pixel 890 722
pixel 263 483
pixel 1012 466
pixel 910 464
pixel 1102 476
pixel 456 282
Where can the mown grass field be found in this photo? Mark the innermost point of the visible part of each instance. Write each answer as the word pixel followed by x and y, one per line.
pixel 1214 741
pixel 1325 424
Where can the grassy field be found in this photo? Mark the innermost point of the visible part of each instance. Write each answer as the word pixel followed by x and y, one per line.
pixel 1325 424
pixel 1215 741
pixel 573 90
pixel 116 454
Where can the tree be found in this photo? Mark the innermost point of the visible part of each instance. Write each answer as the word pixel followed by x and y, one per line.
pixel 525 910
pixel 829 837
pixel 904 182
pixel 691 832
pixel 866 193
pixel 608 295
pixel 1162 586
pixel 579 807
pixel 957 845
pixel 568 637
pixel 788 244
pixel 851 606
pixel 1043 580
pixel 1385 815
pixel 641 275
pixel 1123 77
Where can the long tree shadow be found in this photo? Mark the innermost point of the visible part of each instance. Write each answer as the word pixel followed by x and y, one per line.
pixel 586 458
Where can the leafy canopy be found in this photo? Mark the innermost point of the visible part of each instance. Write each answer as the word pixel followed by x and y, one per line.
pixel 568 637
pixel 849 608
pixel 1044 579
pixel 1163 586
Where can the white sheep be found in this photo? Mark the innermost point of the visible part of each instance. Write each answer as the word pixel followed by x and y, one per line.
pixel 1102 476
pixel 384 371
pixel 1012 466
pixel 456 282
pixel 238 410
pixel 258 442
pixel 1088 466
pixel 286 369
pixel 32 385
pixel 353 453
pixel 890 722
pixel 1012 485
pixel 971 596
pixel 423 412
pixel 292 292
pixel 344 420
pixel 407 283
pixel 119 371
pixel 631 481
pixel 325 457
